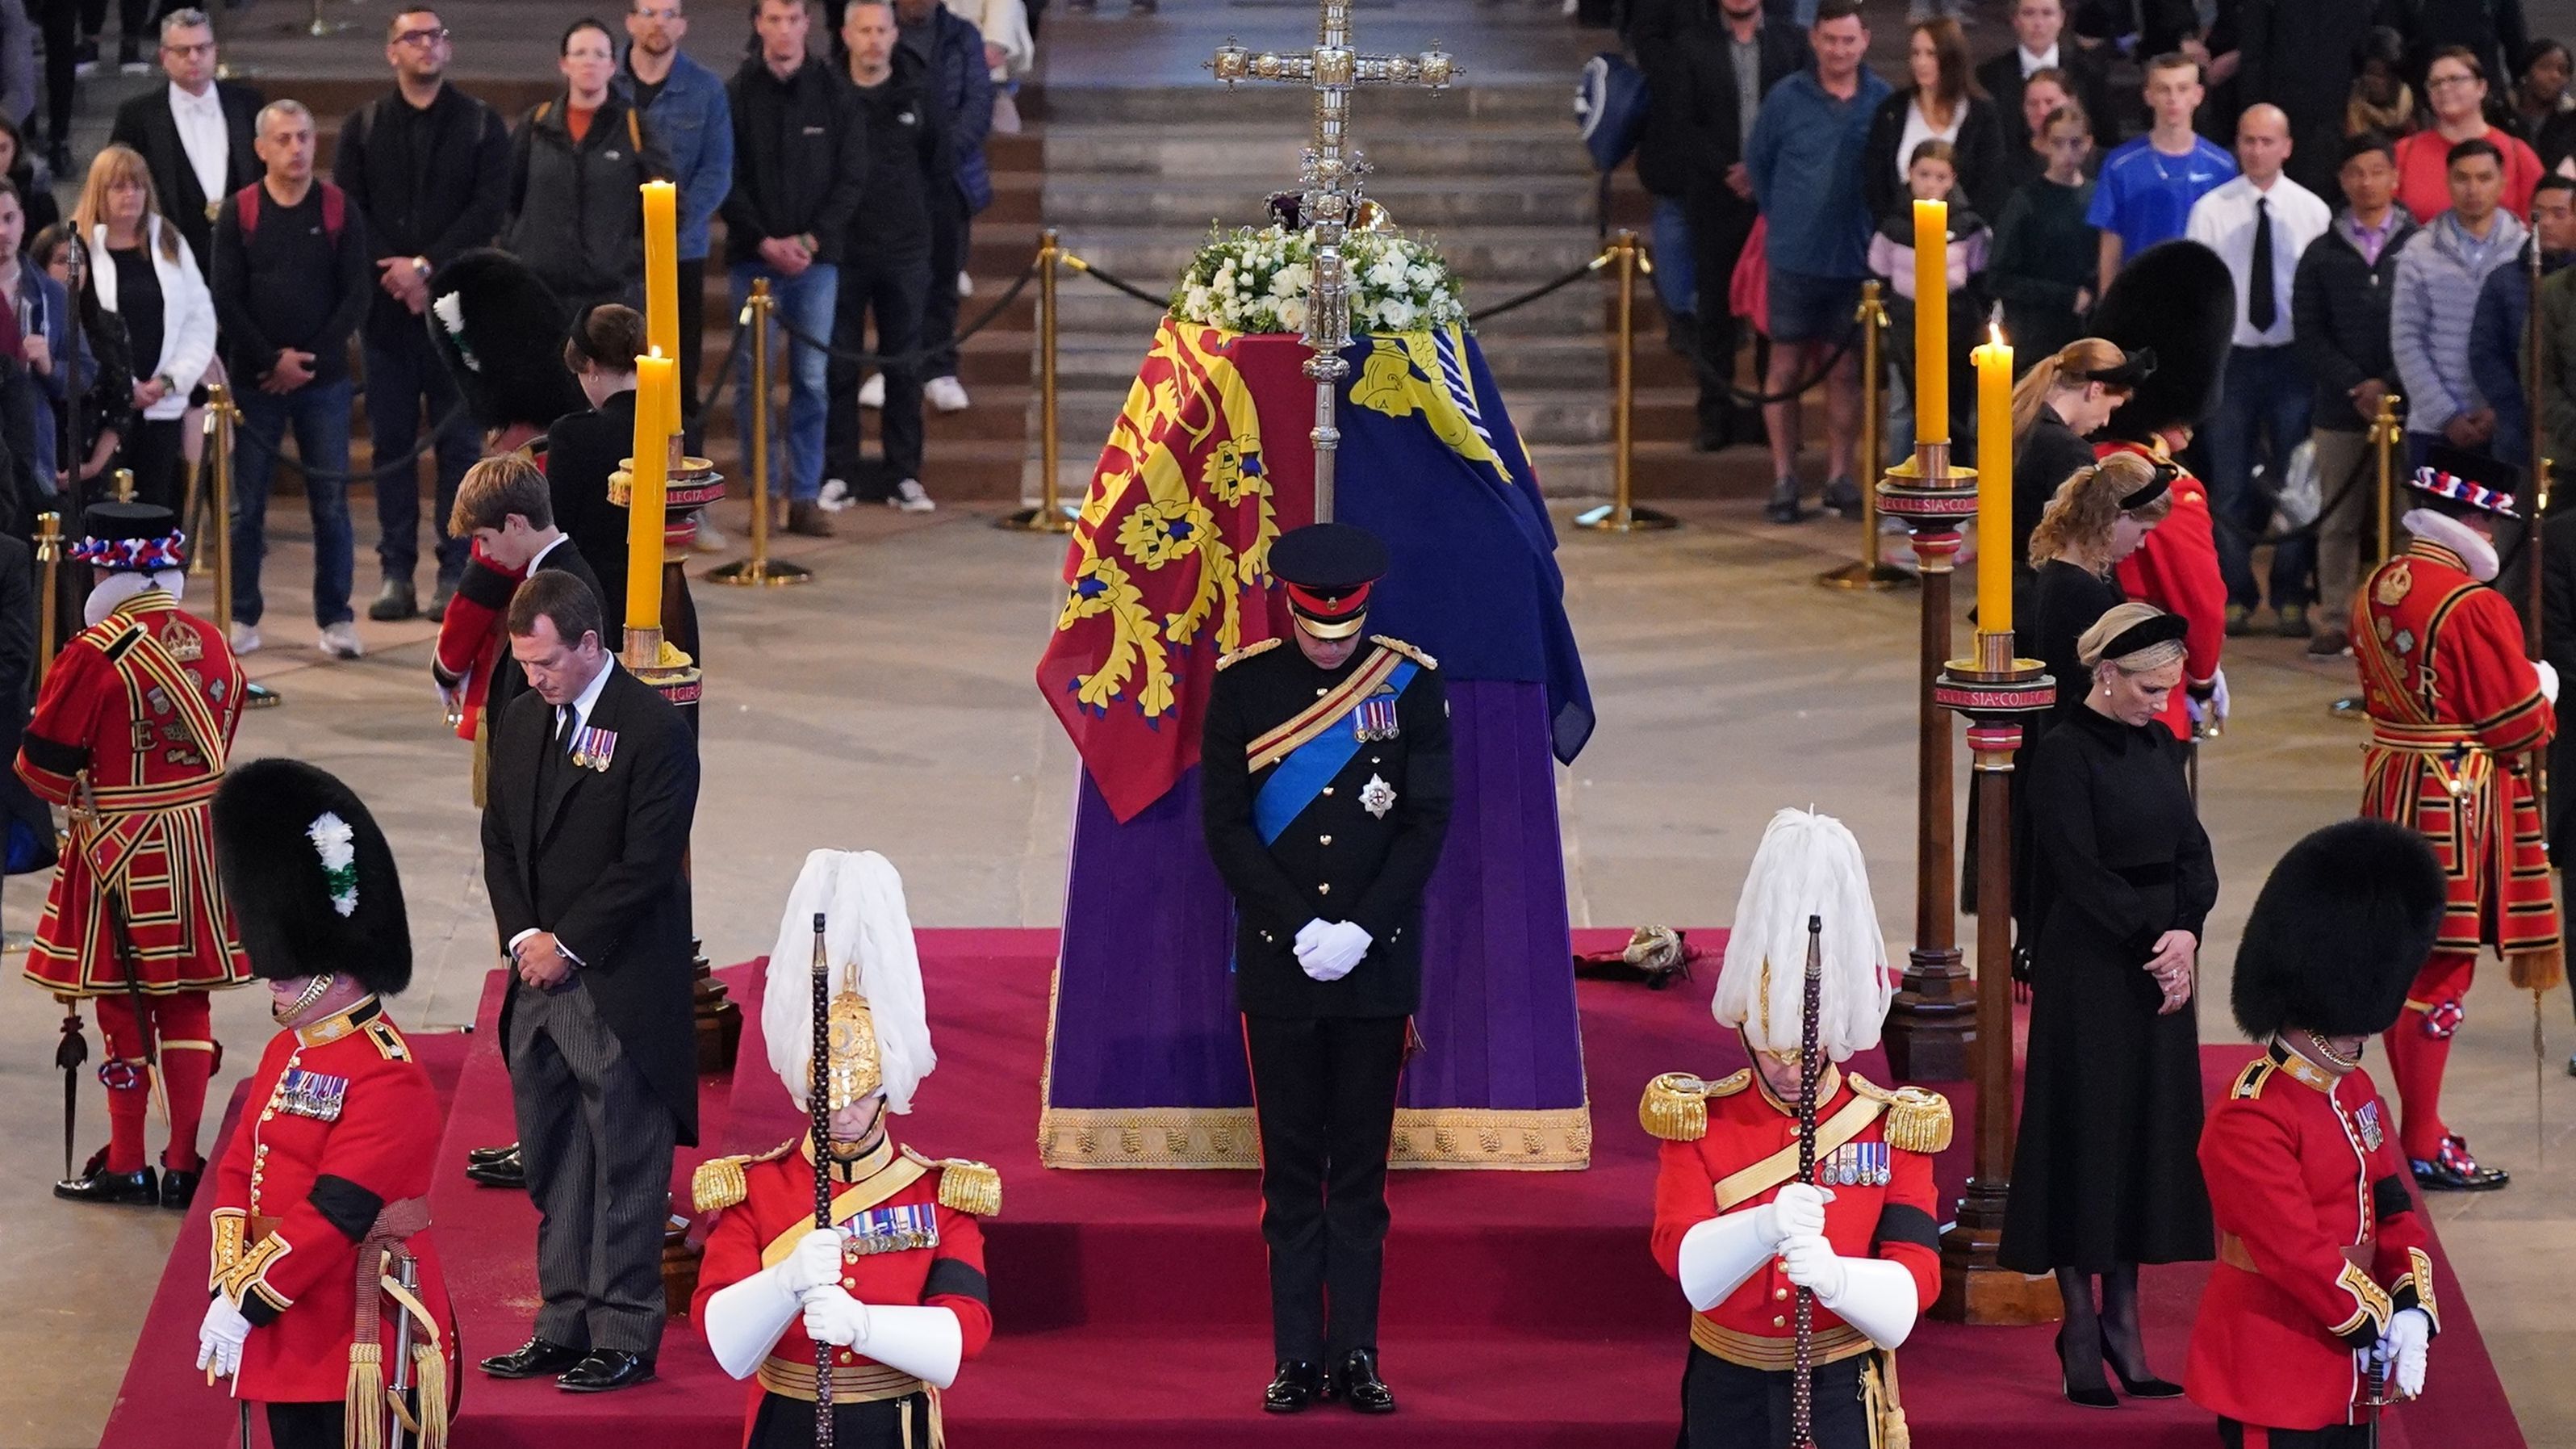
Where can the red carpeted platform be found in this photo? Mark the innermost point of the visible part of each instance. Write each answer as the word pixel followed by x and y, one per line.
pixel 1521 1309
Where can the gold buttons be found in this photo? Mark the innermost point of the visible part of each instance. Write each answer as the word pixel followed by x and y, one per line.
pixel 1325 889
pixel 1779 1293
pixel 853 1283
pixel 1323 840
pixel 1328 789
pixel 1319 694
pixel 1778 1321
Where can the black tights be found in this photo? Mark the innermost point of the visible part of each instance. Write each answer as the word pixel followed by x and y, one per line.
pixel 2113 1330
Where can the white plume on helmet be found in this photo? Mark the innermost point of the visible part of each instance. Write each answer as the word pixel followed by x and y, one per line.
pixel 867 937
pixel 1807 865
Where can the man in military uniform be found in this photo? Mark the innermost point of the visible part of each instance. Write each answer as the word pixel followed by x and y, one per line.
pixel 330 1177
pixel 2456 713
pixel 130 736
pixel 895 1287
pixel 1324 777
pixel 1735 1227
pixel 2320 1307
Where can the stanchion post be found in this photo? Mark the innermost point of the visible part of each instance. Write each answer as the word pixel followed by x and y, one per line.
pixel 1621 514
pixel 49 557
pixel 2384 436
pixel 1868 572
pixel 759 569
pixel 221 415
pixel 1050 515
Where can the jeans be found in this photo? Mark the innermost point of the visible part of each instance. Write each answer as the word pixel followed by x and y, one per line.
pixel 805 303
pixel 1676 269
pixel 2345 465
pixel 890 290
pixel 404 375
pixel 320 413
pixel 2262 414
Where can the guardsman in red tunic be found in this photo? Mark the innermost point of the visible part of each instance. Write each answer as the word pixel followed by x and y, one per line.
pixel 130 736
pixel 894 1290
pixel 1734 1227
pixel 2456 714
pixel 2176 569
pixel 326 1293
pixel 2321 1305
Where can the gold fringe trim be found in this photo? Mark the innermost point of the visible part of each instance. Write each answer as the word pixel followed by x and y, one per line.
pixel 1549 1140
pixel 1887 1426
pixel 1917 1120
pixel 970 1187
pixel 362 1419
pixel 1675 1108
pixel 2543 970
pixel 429 1380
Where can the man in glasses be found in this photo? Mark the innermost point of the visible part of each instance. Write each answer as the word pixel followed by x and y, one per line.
pixel 427 167
pixel 195 133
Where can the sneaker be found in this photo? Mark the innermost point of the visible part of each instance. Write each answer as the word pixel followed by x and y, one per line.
pixel 946 394
pixel 1783 507
pixel 129 57
pixel 2293 622
pixel 340 641
pixel 1842 498
pixel 910 497
pixel 2329 644
pixel 806 520
pixel 2240 621
pixel 872 391
pixel 709 538
pixel 245 638
pixel 85 59
pixel 837 494
pixel 393 602
pixel 965 284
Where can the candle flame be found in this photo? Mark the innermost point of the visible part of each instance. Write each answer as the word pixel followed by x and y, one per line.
pixel 1995 333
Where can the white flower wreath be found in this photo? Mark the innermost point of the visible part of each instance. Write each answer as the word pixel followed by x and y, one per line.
pixel 1263 281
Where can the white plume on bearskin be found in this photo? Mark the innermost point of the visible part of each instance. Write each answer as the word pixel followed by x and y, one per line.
pixel 1807 865
pixel 867 936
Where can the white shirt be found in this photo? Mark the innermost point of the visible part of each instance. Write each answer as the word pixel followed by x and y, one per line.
pixel 203 136
pixel 2031 63
pixel 1919 130
pixel 2223 221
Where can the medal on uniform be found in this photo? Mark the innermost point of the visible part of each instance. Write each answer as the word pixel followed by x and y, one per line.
pixel 892 1229
pixel 1375 719
pixel 2367 1122
pixel 593 747
pixel 1377 797
pixel 1856 1164
pixel 311 1094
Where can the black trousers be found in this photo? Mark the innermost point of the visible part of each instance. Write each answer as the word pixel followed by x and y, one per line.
pixel 2333 1436
pixel 1728 1406
pixel 135 16
pixel 1720 223
pixel 892 291
pixel 785 1423
pixel 1323 1090
pixel 60 22
pixel 693 327
pixel 951 239
pixel 306 1426
pixel 151 447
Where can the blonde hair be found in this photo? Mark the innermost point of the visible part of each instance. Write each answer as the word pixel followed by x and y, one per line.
pixel 2083 356
pixel 2080 514
pixel 118 163
pixel 2117 620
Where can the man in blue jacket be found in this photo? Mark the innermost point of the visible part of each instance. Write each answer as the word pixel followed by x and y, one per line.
pixel 1805 159
pixel 954 49
pixel 2499 336
pixel 684 107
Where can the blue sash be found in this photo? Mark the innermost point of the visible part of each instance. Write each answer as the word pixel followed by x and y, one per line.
pixel 1311 766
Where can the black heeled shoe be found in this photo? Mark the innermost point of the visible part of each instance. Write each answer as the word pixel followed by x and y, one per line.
pixel 2081 1398
pixel 2149 1387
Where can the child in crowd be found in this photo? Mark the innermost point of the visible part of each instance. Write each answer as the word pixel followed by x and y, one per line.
pixel 2044 248
pixel 1931 174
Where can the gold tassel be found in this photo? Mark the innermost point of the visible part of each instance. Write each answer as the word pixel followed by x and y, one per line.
pixel 429 1378
pixel 718 1183
pixel 1887 1425
pixel 2536 970
pixel 970 1187
pixel 1675 1108
pixel 362 1415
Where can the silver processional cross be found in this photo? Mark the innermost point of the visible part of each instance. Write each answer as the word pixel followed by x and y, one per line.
pixel 1331 201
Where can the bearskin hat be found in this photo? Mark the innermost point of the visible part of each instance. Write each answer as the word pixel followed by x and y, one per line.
pixel 310 879
pixel 2178 299
pixel 2339 931
pixel 501 330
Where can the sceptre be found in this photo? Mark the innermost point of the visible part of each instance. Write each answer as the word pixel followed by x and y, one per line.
pixel 819 1098
pixel 1802 1386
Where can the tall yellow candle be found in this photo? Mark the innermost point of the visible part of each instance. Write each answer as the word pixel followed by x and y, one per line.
pixel 1931 321
pixel 1994 363
pixel 656 413
pixel 662 267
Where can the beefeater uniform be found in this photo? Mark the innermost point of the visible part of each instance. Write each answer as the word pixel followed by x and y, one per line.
pixel 142 705
pixel 2456 714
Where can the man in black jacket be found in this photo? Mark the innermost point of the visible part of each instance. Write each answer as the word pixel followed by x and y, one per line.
pixel 2284 49
pixel 885 271
pixel 195 133
pixel 1697 57
pixel 2339 320
pixel 1325 789
pixel 594 783
pixel 2041 42
pixel 428 168
pixel 798 168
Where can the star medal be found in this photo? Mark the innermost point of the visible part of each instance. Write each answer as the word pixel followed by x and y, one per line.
pixel 1377 797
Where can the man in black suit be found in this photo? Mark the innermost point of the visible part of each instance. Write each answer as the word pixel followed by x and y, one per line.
pixel 1325 787
pixel 594 781
pixel 505 505
pixel 2042 41
pixel 195 133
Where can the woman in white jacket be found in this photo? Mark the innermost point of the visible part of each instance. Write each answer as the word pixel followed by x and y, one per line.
pixel 142 273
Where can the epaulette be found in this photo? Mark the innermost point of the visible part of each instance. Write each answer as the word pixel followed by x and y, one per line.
pixel 2249 1082
pixel 718 1182
pixel 1675 1107
pixel 1917 1120
pixel 1247 651
pixel 389 1040
pixel 964 1186
pixel 1407 650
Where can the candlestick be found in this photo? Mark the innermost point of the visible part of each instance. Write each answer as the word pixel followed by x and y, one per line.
pixel 1931 321
pixel 656 414
pixel 1994 363
pixel 662 267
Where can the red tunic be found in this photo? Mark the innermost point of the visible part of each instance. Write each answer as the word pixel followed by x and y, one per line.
pixel 470 638
pixel 760 1222
pixel 299 1189
pixel 1883 1205
pixel 2455 712
pixel 2176 570
pixel 2319 1244
pixel 145 700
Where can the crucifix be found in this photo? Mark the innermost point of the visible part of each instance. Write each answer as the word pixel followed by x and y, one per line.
pixel 1331 201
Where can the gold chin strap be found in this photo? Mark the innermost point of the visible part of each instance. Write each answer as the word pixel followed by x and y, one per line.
pixel 854 1071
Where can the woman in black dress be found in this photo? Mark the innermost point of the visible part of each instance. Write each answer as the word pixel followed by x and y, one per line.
pixel 2105 1173
pixel 2097 517
pixel 2061 401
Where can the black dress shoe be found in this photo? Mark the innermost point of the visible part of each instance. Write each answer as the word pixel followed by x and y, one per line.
pixel 506 1172
pixel 535 1357
pixel 1357 1384
pixel 1296 1386
pixel 2451 1170
pixel 394 601
pixel 606 1369
pixel 178 1189
pixel 477 1156
pixel 97 1184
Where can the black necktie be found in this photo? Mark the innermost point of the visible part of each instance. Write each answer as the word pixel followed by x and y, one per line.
pixel 2263 304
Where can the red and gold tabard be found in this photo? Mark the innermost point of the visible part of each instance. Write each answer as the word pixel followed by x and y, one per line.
pixel 332 1169
pixel 145 701
pixel 2176 569
pixel 2455 711
pixel 1873 1149
pixel 2319 1243
pixel 910 1236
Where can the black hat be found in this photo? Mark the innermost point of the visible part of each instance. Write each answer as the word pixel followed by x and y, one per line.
pixel 2132 369
pixel 130 538
pixel 2469 482
pixel 2147 634
pixel 1328 568
pixel 2178 301
pixel 501 330
pixel 2341 927
pixel 309 877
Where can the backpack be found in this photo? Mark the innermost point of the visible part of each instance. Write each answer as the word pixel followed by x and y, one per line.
pixel 634 127
pixel 1610 105
pixel 247 205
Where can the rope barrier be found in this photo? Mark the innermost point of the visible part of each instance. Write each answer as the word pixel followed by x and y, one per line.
pixel 1115 283
pixel 420 449
pixel 918 355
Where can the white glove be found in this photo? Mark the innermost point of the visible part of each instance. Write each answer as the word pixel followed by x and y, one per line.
pixel 1337 949
pixel 835 1317
pixel 814 1262
pixel 923 1341
pixel 1877 1297
pixel 219 1338
pixel 1807 1260
pixel 1798 1212
pixel 2548 679
pixel 2218 695
pixel 1306 935
pixel 2402 1348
